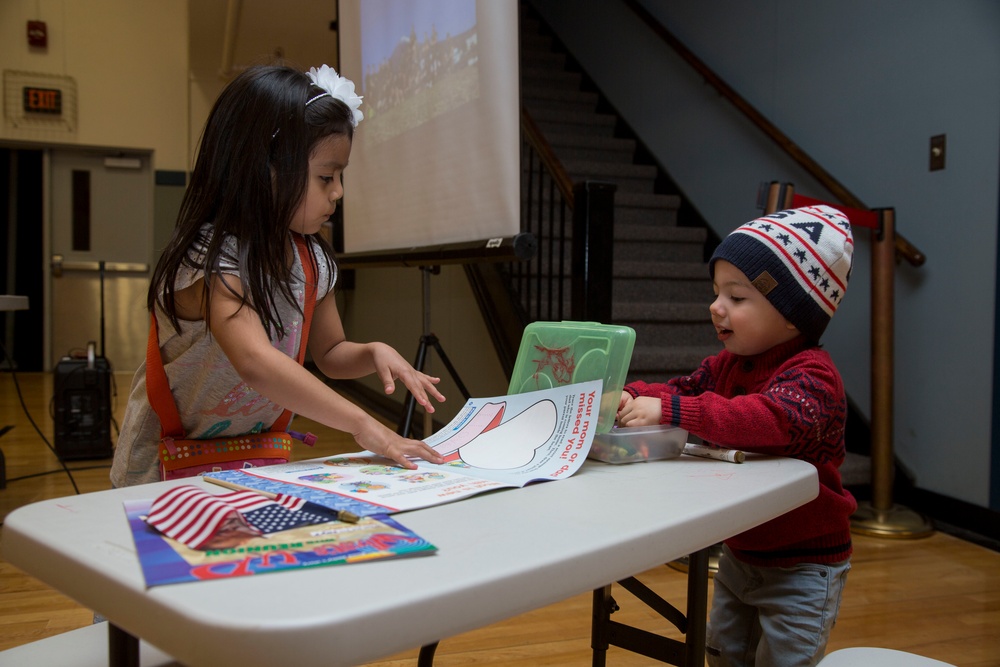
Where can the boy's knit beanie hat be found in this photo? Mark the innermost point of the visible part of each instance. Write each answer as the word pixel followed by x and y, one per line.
pixel 800 259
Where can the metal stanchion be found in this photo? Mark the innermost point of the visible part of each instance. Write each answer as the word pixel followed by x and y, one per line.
pixel 881 517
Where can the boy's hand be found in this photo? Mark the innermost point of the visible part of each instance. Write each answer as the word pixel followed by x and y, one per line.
pixel 625 399
pixel 640 411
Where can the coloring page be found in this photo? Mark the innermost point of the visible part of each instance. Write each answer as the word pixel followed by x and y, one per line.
pixel 500 442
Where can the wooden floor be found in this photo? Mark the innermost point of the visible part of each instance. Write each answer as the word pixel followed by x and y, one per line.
pixel 938 597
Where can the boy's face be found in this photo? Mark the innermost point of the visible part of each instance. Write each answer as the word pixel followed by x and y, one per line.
pixel 745 320
pixel 324 185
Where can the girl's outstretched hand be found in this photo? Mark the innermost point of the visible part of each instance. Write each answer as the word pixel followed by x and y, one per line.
pixel 384 442
pixel 390 366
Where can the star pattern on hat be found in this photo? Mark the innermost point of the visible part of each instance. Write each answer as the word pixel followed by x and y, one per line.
pixel 783 232
pixel 809 250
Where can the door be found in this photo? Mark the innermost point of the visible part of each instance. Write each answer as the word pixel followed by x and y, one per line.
pixel 100 242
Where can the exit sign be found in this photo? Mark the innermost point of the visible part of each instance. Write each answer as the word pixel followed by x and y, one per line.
pixel 43 100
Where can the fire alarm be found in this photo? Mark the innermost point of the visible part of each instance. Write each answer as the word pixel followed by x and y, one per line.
pixel 38 35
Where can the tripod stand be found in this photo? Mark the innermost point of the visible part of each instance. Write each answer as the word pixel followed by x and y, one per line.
pixel 427 339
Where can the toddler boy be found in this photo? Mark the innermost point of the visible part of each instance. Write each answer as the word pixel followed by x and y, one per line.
pixel 778 280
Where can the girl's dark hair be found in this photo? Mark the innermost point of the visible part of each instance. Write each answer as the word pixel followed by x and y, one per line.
pixel 249 178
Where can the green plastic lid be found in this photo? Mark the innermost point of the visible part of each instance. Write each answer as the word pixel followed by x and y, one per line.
pixel 560 353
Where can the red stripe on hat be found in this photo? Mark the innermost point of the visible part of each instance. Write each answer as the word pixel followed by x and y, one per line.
pixel 819 259
pixel 793 263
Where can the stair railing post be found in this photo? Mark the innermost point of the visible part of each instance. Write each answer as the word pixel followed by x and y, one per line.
pixel 593 251
pixel 883 360
pixel 881 517
pixel 778 197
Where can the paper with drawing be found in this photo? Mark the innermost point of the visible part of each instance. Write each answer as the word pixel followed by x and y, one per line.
pixel 491 443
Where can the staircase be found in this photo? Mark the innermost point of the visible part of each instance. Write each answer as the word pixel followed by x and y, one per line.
pixel 661 286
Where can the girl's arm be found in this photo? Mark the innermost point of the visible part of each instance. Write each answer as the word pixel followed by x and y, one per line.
pixel 339 358
pixel 282 380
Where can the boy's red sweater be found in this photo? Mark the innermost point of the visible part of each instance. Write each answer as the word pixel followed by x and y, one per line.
pixel 788 401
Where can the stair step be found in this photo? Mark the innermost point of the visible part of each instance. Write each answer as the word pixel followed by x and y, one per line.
pixel 656 363
pixel 660 288
pixel 628 251
pixel 642 217
pixel 657 251
pixel 570 104
pixel 534 41
pixel 625 232
pixel 534 77
pixel 575 120
pixel 628 177
pixel 542 58
pixel 642 233
pixel 691 271
pixel 646 200
pixel 535 93
pixel 632 288
pixel 612 147
pixel 654 311
pixel 672 334
pixel 631 208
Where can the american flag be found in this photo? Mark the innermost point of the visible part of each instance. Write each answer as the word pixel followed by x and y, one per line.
pixel 193 516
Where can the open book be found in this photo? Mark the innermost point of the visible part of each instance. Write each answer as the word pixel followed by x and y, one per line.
pixel 492 443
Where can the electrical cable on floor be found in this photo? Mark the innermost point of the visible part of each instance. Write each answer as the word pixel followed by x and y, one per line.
pixel 24 407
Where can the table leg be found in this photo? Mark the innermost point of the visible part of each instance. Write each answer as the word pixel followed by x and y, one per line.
pixel 689 653
pixel 426 656
pixel 3 462
pixel 697 608
pixel 123 648
pixel 600 629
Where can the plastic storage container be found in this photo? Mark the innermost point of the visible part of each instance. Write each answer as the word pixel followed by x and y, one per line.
pixel 560 353
pixel 639 443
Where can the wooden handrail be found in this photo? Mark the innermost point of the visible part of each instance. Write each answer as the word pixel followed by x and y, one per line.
pixel 548 157
pixel 904 248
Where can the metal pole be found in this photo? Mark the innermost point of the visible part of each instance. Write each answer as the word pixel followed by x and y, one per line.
pixel 881 517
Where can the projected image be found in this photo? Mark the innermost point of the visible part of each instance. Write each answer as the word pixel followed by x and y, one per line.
pixel 419 60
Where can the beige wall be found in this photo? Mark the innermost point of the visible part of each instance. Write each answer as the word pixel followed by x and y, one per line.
pixel 129 61
pixel 147 73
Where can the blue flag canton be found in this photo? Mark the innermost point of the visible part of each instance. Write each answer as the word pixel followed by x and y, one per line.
pixel 273 518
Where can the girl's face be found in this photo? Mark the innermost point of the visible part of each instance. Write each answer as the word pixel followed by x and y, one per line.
pixel 747 323
pixel 324 185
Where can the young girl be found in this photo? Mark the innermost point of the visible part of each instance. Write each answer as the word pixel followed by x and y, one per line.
pixel 229 291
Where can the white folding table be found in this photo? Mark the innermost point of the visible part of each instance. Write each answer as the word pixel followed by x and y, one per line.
pixel 500 554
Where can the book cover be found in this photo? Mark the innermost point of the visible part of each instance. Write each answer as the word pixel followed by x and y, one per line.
pixel 166 561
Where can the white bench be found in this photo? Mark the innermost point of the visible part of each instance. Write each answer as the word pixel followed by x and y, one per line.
pixel 85 647
pixel 877 657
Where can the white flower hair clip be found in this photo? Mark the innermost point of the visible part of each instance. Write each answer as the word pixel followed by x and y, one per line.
pixel 338 87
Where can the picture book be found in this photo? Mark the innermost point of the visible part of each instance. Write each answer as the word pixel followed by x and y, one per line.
pixel 167 561
pixel 492 443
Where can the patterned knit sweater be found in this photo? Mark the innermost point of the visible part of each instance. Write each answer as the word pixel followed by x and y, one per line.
pixel 787 401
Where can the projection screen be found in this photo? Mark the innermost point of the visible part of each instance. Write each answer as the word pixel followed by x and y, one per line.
pixel 436 158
